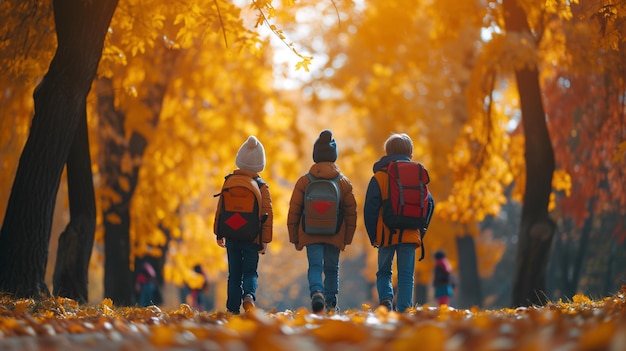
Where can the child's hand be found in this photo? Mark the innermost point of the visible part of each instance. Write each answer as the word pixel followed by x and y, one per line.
pixel 262 251
pixel 221 242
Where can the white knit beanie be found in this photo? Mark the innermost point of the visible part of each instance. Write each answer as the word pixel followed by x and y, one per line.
pixel 251 155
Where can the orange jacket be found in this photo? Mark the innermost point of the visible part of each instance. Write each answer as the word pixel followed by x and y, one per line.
pixel 297 236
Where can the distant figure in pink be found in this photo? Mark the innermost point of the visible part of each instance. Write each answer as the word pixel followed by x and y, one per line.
pixel 443 281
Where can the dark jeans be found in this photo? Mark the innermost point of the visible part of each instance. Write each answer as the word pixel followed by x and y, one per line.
pixel 243 261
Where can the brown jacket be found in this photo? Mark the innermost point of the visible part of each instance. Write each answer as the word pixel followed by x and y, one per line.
pixel 266 207
pixel 297 236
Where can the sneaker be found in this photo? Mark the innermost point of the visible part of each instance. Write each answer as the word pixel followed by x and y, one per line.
pixel 387 303
pixel 248 302
pixel 317 301
pixel 332 309
pixel 331 305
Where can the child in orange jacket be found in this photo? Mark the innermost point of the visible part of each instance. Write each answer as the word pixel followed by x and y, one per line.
pixel 323 250
pixel 243 256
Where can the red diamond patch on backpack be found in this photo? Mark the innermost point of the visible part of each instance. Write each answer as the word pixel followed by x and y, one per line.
pixel 235 221
pixel 239 218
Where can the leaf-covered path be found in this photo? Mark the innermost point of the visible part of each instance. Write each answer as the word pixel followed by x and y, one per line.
pixel 61 324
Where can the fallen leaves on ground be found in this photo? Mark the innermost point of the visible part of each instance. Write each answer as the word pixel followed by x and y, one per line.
pixel 59 323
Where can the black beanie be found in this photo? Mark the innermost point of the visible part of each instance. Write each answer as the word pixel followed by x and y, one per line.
pixel 325 149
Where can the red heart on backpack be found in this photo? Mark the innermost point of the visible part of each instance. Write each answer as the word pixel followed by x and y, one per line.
pixel 321 206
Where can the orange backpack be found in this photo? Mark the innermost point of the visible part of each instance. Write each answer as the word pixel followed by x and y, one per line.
pixel 239 217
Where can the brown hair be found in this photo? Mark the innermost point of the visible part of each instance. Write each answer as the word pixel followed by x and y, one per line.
pixel 399 144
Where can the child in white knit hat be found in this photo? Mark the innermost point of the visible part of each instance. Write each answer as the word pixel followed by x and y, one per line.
pixel 244 233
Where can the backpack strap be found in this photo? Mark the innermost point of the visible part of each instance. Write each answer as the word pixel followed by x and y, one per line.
pixel 225 178
pixel 422 233
pixel 259 181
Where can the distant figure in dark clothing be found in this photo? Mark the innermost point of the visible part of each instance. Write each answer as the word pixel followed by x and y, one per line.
pixel 146 286
pixel 443 281
pixel 198 296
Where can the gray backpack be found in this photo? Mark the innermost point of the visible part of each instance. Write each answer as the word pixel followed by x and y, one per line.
pixel 322 206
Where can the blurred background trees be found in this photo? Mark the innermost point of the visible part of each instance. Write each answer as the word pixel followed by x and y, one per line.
pixel 181 85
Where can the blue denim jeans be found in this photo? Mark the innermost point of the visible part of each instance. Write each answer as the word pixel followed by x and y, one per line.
pixel 324 258
pixel 406 268
pixel 243 261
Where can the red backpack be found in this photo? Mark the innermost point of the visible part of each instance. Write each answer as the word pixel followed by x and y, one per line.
pixel 407 204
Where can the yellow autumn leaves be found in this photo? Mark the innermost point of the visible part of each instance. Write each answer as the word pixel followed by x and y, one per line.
pixel 581 324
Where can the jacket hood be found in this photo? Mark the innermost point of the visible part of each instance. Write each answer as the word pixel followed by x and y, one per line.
pixel 326 170
pixel 246 172
pixel 385 160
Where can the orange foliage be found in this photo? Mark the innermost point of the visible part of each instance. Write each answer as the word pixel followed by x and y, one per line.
pixel 439 71
pixel 582 324
pixel 587 125
pixel 216 97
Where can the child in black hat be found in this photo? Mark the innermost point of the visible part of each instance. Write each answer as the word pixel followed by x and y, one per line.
pixel 323 249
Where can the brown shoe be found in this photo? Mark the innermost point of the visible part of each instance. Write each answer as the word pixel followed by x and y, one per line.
pixel 248 302
pixel 387 303
pixel 317 301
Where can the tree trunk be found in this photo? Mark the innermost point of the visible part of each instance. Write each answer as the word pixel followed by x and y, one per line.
pixel 81 27
pixel 608 281
pixel 560 271
pixel 575 266
pixel 536 228
pixel 118 278
pixel 71 271
pixel 470 293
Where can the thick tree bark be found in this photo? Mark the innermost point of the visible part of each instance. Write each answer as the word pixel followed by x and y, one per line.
pixel 81 27
pixel 470 292
pixel 536 228
pixel 70 277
